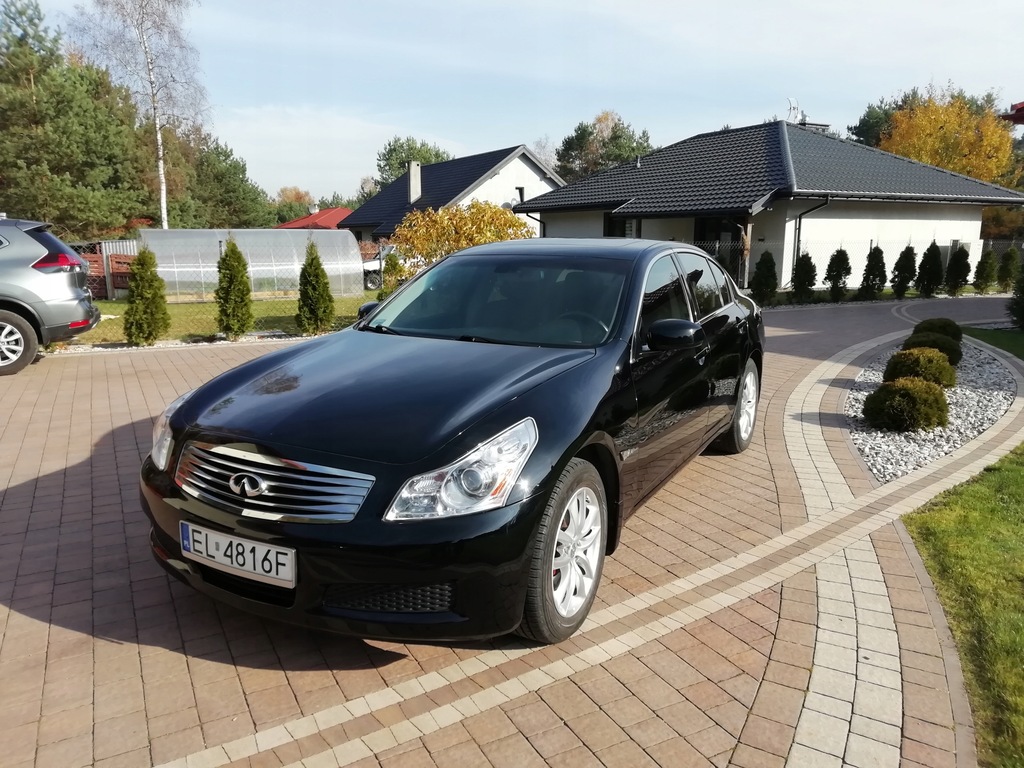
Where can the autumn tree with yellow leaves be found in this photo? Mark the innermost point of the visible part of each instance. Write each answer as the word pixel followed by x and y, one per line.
pixel 943 130
pixel 425 236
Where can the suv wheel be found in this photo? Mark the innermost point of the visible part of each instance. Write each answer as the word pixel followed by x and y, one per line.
pixel 18 344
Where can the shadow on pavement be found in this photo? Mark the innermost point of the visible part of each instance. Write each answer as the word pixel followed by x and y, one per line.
pixel 74 554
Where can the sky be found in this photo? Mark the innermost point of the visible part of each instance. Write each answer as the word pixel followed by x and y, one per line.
pixel 307 92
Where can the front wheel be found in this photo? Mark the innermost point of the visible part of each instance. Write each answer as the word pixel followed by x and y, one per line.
pixel 744 417
pixel 371 281
pixel 18 343
pixel 568 556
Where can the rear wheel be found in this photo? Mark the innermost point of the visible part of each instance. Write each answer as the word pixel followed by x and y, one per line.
pixel 568 556
pixel 744 417
pixel 371 281
pixel 18 343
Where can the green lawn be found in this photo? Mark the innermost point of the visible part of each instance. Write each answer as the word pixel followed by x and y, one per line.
pixel 191 321
pixel 972 542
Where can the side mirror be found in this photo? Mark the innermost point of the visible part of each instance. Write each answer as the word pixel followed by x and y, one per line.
pixel 667 335
pixel 366 309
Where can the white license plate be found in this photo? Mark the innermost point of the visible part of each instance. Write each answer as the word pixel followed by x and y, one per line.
pixel 244 557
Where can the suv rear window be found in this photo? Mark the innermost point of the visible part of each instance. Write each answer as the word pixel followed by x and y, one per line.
pixel 50 241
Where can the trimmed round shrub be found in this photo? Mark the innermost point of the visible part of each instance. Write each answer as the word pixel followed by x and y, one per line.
pixel 938 341
pixel 906 405
pixel 921 363
pixel 942 325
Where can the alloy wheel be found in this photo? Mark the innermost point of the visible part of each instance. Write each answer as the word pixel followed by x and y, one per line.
pixel 574 567
pixel 12 344
pixel 748 405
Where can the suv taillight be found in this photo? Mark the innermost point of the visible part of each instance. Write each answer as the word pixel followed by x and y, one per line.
pixel 62 262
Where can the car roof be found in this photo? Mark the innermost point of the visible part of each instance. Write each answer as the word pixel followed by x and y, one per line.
pixel 620 248
pixel 23 224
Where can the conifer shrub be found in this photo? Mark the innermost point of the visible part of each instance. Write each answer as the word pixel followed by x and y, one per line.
pixel 1009 269
pixel 805 277
pixel 764 283
pixel 905 405
pixel 958 271
pixel 985 273
pixel 1015 304
pixel 942 325
pixel 930 272
pixel 949 347
pixel 921 363
pixel 836 274
pixel 234 293
pixel 872 283
pixel 904 272
pixel 316 304
pixel 146 317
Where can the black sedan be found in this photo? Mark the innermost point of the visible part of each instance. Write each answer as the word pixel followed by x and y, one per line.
pixel 458 463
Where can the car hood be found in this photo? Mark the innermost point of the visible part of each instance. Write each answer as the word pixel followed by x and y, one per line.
pixel 389 399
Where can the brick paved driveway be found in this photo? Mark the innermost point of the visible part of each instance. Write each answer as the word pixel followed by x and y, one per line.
pixel 761 610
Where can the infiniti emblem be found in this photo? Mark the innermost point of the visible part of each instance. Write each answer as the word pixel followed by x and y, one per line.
pixel 246 484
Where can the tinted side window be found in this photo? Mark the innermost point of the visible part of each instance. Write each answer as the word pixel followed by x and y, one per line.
pixel 664 296
pixel 49 241
pixel 723 282
pixel 702 282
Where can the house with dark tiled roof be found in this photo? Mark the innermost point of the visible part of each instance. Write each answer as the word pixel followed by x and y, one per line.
pixel 318 218
pixel 503 177
pixel 777 187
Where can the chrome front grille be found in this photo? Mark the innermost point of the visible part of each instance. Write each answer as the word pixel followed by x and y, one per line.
pixel 240 479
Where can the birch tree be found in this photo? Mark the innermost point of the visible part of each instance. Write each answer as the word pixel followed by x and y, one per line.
pixel 144 45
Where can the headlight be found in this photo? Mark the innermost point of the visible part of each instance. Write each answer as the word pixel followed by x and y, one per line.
pixel 480 480
pixel 162 434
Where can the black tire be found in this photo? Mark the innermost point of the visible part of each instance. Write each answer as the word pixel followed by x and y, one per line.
pixel 543 620
pixel 371 281
pixel 18 343
pixel 741 432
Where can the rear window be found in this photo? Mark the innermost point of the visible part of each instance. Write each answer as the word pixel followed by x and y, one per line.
pixel 50 242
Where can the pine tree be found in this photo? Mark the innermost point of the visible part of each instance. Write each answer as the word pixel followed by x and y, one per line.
pixel 805 277
pixel 1009 269
pixel 234 293
pixel 958 271
pixel 765 282
pixel 836 274
pixel 872 283
pixel 985 273
pixel 930 273
pixel 316 304
pixel 146 317
pixel 904 271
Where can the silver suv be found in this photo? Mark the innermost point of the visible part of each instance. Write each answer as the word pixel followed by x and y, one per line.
pixel 43 293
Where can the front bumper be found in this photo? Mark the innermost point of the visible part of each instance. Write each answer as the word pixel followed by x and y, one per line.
pixel 429 580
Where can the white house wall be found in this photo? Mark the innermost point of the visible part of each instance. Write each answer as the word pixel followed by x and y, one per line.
pixel 857 226
pixel 501 187
pixel 573 224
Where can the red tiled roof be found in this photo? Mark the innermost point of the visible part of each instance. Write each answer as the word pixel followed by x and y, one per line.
pixel 328 218
pixel 1016 114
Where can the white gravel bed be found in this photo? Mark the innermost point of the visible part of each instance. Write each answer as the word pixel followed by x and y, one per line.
pixel 983 392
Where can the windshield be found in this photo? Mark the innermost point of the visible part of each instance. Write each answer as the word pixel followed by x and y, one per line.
pixel 508 299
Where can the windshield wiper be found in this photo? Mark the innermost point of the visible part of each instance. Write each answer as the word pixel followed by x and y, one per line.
pixel 481 340
pixel 382 329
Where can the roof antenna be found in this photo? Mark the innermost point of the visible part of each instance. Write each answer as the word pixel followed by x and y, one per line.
pixel 795 113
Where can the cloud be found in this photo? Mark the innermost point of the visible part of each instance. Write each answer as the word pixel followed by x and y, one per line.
pixel 320 148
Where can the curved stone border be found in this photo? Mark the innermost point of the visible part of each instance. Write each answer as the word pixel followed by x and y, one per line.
pixel 964 741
